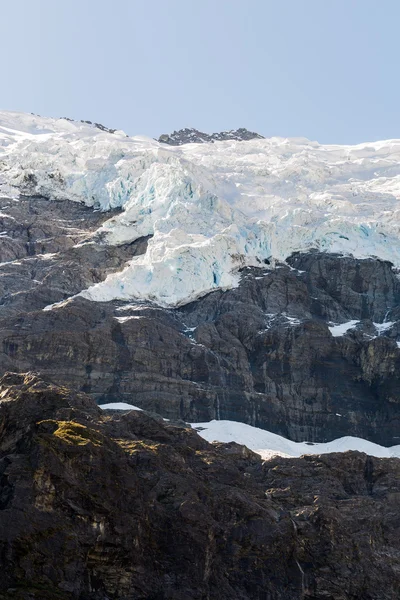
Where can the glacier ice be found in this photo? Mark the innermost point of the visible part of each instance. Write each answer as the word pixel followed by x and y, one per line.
pixel 210 208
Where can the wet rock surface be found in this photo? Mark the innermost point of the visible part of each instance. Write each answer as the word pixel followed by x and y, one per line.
pixel 262 353
pixel 97 506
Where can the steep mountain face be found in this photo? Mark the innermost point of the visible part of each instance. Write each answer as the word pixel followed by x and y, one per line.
pixel 96 506
pixel 193 136
pixel 255 282
pixel 264 353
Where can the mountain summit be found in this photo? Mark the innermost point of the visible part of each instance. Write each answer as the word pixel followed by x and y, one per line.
pixel 194 136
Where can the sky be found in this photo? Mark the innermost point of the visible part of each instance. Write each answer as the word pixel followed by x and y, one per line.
pixel 327 70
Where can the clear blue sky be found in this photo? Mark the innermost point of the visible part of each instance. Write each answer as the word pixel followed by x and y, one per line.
pixel 324 69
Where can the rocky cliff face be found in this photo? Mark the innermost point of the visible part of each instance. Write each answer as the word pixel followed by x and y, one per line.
pixel 266 353
pixel 98 506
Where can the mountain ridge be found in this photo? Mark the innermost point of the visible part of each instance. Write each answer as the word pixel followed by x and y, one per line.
pixel 194 136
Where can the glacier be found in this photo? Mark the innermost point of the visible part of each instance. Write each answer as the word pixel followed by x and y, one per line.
pixel 211 208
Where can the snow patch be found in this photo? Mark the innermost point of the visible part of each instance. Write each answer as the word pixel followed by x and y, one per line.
pixel 292 320
pixel 118 406
pixel 129 318
pixel 269 444
pixel 381 327
pixel 339 330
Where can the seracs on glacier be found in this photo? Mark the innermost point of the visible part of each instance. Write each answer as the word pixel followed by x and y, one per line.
pixel 210 208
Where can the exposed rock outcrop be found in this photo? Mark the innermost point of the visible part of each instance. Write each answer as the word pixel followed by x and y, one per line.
pixel 97 507
pixel 43 254
pixel 193 136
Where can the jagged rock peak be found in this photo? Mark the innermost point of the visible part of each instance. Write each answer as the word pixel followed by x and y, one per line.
pixel 193 136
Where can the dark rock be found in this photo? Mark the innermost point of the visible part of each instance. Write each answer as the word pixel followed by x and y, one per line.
pixel 49 253
pixel 96 506
pixel 193 136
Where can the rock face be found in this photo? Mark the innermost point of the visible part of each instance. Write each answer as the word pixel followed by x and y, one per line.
pixel 262 353
pixel 193 136
pixel 42 257
pixel 97 507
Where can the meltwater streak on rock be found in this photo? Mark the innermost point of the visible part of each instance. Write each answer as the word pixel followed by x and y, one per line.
pixel 211 208
pixel 128 507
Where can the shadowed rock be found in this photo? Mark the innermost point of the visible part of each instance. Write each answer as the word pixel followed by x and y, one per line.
pixel 96 506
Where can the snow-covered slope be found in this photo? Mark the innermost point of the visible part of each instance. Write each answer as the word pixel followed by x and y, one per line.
pixel 211 208
pixel 269 444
